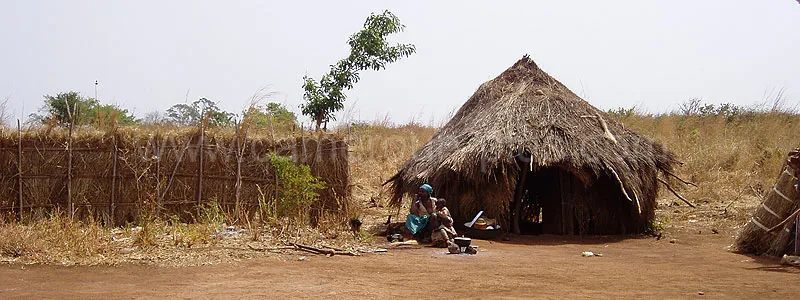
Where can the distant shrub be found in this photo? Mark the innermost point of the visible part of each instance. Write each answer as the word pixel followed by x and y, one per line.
pixel 297 188
pixel 621 112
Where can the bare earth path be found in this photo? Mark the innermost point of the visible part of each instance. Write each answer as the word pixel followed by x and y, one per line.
pixel 526 267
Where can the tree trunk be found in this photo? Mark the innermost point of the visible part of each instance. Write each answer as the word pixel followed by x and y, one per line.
pixel 318 119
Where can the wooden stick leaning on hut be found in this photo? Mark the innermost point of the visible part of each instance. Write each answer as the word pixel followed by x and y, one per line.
pixel 679 179
pixel 606 132
pixel 675 193
pixel 625 193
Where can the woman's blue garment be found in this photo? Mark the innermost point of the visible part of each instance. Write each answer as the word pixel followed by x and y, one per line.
pixel 415 223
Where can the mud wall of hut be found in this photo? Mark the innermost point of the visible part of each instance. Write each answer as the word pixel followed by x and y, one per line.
pixel 115 177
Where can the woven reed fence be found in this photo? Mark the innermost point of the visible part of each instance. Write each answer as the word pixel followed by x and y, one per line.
pixel 116 176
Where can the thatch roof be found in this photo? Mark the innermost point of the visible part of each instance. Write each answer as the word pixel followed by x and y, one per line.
pixel 525 111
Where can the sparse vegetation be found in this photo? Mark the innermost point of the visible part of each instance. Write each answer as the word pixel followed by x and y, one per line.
pixel 4 113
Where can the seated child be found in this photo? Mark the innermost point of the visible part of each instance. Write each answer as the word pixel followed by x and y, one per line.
pixel 444 234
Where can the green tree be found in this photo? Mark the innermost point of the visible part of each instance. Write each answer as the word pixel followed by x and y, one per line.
pixel 64 108
pixel 282 119
pixel 191 114
pixel 368 50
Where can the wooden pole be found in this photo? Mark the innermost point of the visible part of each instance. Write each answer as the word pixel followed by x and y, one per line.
pixel 303 140
pixel 275 151
pixel 797 235
pixel 158 173
pixel 175 169
pixel 200 167
pixel 69 163
pixel 113 182
pixel 19 165
pixel 518 200
pixel 240 144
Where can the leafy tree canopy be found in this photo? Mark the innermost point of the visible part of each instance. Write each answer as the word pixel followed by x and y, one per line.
pixel 191 114
pixel 368 50
pixel 64 108
pixel 282 119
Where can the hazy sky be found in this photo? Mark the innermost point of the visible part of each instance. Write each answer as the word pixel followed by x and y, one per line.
pixel 147 54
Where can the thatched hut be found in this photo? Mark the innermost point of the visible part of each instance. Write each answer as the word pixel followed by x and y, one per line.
pixel 535 156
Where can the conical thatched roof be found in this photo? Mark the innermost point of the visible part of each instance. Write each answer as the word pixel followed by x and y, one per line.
pixel 525 111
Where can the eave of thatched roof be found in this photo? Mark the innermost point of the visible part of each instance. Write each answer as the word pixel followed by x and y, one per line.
pixel 525 111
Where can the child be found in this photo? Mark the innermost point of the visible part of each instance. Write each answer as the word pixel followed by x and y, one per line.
pixel 443 235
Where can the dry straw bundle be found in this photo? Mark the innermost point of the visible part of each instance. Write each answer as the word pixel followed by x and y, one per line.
pixel 770 230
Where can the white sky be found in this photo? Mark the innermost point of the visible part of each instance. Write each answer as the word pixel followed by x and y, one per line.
pixel 147 54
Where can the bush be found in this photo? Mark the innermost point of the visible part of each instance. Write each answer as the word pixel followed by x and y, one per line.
pixel 297 188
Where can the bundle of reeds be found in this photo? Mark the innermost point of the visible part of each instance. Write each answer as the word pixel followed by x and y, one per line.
pixel 771 228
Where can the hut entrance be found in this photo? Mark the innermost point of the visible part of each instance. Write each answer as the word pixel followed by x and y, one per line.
pixel 554 201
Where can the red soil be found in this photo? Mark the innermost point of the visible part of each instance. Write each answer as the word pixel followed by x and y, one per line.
pixel 695 265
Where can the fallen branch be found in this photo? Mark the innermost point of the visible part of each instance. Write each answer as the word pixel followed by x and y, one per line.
pixel 676 193
pixel 336 249
pixel 348 253
pixel 313 250
pixel 254 248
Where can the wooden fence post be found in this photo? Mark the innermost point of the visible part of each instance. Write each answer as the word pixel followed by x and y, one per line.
pixel 113 182
pixel 240 144
pixel 175 169
pixel 19 165
pixel 274 151
pixel 158 172
pixel 199 193
pixel 69 165
pixel 303 140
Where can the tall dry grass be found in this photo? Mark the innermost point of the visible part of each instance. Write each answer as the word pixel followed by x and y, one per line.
pixel 378 149
pixel 56 239
pixel 727 158
pixel 734 160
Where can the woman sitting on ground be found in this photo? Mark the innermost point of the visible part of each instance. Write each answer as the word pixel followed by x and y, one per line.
pixel 422 217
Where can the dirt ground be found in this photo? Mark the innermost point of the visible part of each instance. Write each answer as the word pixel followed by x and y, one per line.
pixel 683 264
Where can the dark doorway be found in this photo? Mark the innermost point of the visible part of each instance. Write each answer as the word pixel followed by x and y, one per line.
pixel 555 201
